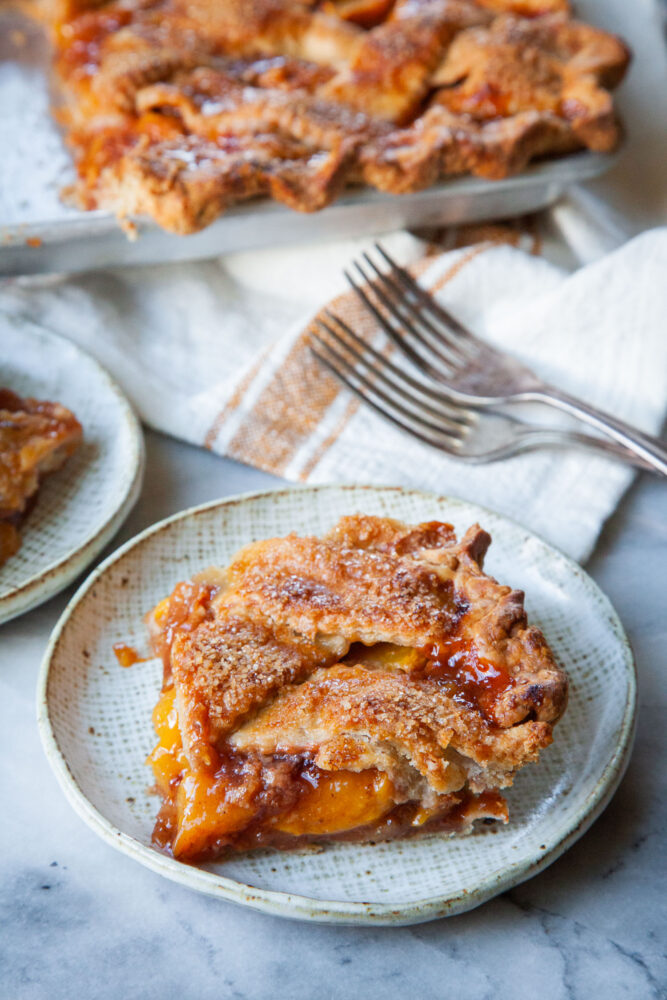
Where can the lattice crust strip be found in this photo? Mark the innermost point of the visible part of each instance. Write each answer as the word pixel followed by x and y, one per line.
pixel 179 108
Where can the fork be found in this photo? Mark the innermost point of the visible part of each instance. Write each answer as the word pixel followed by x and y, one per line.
pixel 474 372
pixel 473 435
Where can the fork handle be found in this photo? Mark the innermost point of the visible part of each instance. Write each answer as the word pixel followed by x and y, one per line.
pixel 646 446
pixel 541 436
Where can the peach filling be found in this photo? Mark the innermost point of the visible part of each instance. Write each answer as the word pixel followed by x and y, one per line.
pixel 210 809
pixel 341 800
pixel 223 800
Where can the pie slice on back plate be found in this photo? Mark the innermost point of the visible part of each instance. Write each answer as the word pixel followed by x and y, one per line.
pixel 36 438
pixel 368 685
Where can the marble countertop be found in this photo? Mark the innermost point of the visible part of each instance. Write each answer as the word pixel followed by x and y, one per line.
pixel 82 920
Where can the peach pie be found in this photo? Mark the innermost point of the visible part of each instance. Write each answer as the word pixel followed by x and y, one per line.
pixel 177 109
pixel 368 685
pixel 36 438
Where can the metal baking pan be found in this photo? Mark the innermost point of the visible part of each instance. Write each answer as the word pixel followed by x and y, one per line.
pixel 90 240
pixel 39 234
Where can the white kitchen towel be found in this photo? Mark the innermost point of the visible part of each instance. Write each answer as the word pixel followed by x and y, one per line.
pixel 214 353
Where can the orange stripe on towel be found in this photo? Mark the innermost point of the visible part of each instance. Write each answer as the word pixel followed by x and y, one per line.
pixel 300 393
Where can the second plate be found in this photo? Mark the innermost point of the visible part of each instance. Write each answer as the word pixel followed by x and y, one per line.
pixel 81 506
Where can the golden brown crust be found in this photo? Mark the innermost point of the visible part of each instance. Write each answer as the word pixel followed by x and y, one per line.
pixel 494 619
pixel 550 65
pixel 180 108
pixel 382 650
pixel 36 438
pixel 322 588
pixel 232 665
pixel 355 718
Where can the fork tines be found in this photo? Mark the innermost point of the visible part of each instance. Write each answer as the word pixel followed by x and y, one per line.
pixel 396 395
pixel 424 331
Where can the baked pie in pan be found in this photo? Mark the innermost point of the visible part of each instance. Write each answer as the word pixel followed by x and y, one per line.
pixel 36 438
pixel 177 109
pixel 368 685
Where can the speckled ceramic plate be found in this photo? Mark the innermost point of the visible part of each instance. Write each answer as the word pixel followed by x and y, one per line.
pixel 80 507
pixel 95 718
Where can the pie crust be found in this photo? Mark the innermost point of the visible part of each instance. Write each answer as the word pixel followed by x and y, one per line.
pixel 36 438
pixel 177 109
pixel 368 685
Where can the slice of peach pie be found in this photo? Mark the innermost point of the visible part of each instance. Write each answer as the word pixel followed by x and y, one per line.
pixel 36 438
pixel 367 685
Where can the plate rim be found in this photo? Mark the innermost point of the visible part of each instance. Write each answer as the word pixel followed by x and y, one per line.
pixel 295 905
pixel 55 576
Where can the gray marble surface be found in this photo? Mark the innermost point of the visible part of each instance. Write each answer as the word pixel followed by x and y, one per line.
pixel 80 920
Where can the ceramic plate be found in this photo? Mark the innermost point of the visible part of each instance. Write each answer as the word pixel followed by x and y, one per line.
pixel 82 505
pixel 95 717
